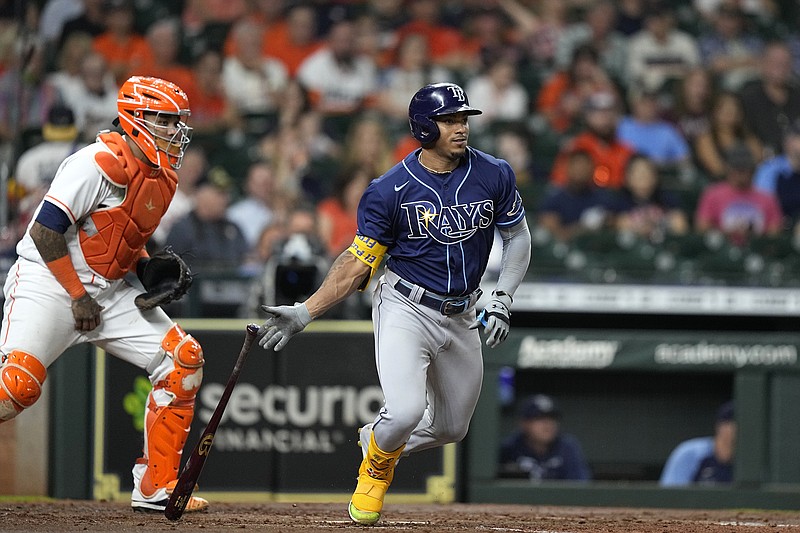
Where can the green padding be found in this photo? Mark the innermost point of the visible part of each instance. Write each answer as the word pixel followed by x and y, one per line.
pixel 637 495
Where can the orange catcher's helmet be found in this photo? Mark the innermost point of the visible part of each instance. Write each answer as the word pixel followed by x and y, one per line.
pixel 153 112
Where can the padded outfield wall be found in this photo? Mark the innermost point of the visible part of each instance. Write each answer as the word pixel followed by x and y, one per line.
pixel 290 430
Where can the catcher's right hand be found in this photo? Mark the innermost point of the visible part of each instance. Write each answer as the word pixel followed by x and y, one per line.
pixel 86 313
pixel 286 320
pixel 165 276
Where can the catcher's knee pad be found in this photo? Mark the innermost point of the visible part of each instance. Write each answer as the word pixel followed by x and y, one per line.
pixel 21 378
pixel 187 357
pixel 170 409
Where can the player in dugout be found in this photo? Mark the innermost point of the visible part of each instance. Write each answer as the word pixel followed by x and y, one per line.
pixel 68 285
pixel 434 215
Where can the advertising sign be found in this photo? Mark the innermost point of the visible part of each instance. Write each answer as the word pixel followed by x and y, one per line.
pixel 291 425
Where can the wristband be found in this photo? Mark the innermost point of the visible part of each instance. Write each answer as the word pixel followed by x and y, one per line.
pixel 503 293
pixel 65 274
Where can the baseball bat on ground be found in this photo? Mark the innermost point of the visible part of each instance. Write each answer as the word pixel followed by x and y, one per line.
pixel 191 472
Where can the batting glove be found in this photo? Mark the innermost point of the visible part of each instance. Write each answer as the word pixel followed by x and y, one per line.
pixel 495 319
pixel 286 320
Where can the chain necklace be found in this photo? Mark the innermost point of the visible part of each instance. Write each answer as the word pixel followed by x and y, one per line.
pixel 439 172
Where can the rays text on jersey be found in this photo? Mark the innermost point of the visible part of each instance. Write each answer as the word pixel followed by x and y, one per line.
pixel 448 224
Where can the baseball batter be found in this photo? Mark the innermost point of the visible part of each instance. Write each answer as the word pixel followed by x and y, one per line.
pixel 67 286
pixel 434 214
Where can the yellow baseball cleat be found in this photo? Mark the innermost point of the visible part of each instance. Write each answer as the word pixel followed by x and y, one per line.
pixel 374 477
pixel 365 518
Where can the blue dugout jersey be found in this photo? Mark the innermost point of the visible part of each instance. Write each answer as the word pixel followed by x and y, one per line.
pixel 439 229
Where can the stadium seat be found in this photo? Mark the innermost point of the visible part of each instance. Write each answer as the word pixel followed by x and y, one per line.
pixel 725 264
pixel 547 255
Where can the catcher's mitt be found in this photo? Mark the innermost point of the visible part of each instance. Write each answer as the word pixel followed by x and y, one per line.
pixel 165 277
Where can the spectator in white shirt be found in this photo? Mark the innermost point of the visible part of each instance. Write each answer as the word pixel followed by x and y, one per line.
pixel 499 94
pixel 253 83
pixel 660 52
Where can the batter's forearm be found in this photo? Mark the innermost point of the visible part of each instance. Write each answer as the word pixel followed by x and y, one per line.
pixel 516 257
pixel 343 279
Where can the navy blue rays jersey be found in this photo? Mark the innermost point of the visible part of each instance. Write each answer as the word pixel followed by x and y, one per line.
pixel 439 229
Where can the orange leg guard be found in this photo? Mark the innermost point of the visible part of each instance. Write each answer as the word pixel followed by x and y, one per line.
pixel 170 409
pixel 21 378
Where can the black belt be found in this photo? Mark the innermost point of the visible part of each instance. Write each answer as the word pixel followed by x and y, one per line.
pixel 445 305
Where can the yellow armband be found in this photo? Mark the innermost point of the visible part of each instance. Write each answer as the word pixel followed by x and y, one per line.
pixel 370 252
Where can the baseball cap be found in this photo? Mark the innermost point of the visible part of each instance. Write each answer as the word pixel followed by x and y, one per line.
pixel 600 101
pixel 60 124
pixel 739 156
pixel 539 406
pixel 218 178
pixel 725 413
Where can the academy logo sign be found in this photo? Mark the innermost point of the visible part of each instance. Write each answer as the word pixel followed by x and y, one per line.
pixel 737 355
pixel 568 352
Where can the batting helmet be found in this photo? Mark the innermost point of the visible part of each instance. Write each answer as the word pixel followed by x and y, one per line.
pixel 432 101
pixel 159 98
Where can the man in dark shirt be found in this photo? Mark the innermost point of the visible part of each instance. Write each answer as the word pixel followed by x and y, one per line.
pixel 210 241
pixel 539 450
pixel 578 206
pixel 772 103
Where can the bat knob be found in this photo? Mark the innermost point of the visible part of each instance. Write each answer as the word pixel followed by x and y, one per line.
pixel 252 328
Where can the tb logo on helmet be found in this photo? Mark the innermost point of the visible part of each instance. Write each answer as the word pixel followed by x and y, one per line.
pixel 458 92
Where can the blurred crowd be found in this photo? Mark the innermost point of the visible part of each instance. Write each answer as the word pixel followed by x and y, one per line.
pixel 644 116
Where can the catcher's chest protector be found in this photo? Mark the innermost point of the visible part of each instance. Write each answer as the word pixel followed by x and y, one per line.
pixel 113 245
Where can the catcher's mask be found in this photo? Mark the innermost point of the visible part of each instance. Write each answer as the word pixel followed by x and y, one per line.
pixel 153 113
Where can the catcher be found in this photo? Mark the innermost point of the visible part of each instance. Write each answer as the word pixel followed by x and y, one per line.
pixel 68 285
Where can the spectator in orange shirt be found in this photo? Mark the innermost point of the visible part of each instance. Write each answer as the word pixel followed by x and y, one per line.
pixel 564 94
pixel 599 138
pixel 119 43
pixel 294 39
pixel 445 43
pixel 337 213
pixel 161 57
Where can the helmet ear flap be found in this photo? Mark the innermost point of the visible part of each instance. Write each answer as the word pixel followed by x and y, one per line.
pixel 424 129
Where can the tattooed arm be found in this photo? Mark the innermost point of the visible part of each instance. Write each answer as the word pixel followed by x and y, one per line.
pixel 344 277
pixel 52 247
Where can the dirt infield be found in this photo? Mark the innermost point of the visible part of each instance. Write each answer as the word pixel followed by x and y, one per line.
pixel 307 518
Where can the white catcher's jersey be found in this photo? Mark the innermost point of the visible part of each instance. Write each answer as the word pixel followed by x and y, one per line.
pixel 37 312
pixel 78 189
